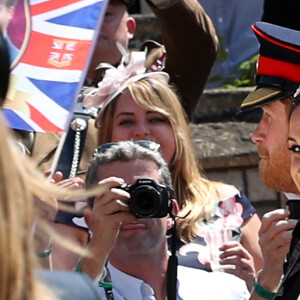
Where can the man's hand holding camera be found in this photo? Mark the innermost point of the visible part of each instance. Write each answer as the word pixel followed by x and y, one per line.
pixel 120 204
pixel 104 220
pixel 110 210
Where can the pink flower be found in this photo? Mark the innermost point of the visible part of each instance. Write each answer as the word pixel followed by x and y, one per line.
pixel 116 79
pixel 230 213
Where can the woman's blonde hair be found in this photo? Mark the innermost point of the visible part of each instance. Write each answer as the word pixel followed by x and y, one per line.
pixel 17 278
pixel 194 193
pixel 20 184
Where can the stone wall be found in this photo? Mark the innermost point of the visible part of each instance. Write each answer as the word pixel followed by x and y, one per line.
pixel 225 153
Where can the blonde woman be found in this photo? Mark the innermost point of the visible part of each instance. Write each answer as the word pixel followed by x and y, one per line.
pixel 142 106
pixel 19 182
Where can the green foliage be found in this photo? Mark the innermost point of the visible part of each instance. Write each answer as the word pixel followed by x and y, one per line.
pixel 246 68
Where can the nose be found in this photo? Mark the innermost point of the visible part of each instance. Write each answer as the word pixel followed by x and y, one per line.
pixel 141 131
pixel 258 135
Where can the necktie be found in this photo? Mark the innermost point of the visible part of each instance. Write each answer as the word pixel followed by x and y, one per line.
pixel 147 292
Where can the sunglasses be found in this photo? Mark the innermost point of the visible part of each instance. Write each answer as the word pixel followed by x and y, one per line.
pixel 143 143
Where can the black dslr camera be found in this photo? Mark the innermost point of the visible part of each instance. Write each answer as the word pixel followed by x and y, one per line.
pixel 148 198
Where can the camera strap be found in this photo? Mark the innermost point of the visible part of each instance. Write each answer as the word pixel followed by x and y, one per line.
pixel 172 266
pixel 106 283
pixel 171 271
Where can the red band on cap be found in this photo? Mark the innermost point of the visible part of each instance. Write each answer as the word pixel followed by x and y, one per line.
pixel 273 41
pixel 278 68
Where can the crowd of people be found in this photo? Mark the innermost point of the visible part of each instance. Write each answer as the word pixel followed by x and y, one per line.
pixel 130 221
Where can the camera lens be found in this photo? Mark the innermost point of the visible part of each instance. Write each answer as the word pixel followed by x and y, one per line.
pixel 145 201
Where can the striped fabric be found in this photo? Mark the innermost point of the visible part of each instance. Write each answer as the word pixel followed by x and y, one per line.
pixel 52 62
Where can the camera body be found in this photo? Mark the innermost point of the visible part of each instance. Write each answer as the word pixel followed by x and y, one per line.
pixel 148 199
pixel 294 208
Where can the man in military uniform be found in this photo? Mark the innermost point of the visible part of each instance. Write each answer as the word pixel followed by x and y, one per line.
pixel 278 77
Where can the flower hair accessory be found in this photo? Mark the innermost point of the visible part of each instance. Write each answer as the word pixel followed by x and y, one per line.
pixel 115 80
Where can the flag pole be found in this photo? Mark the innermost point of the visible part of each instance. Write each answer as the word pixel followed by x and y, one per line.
pixel 57 153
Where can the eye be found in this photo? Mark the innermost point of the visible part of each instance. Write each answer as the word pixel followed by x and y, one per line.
pixel 126 122
pixel 295 148
pixel 157 120
pixel 108 14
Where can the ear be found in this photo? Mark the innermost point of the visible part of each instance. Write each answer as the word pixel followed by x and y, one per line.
pixel 175 209
pixel 131 26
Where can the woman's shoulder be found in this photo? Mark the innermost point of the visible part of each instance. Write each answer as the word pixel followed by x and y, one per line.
pixel 232 201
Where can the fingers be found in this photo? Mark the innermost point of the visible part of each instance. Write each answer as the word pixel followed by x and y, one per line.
pixel 72 183
pixel 275 241
pixel 111 182
pixel 280 235
pixel 275 236
pixel 111 208
pixel 234 254
pixel 277 228
pixel 57 177
pixel 112 202
pixel 240 263
pixel 112 192
pixel 234 248
pixel 273 216
pixel 105 219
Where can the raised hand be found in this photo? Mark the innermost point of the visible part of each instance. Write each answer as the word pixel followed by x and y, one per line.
pixel 104 220
pixel 235 254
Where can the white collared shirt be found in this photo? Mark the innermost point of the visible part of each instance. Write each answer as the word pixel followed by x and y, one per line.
pixel 192 284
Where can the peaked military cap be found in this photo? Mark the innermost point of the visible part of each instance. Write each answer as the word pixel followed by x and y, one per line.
pixel 278 71
pixel 129 3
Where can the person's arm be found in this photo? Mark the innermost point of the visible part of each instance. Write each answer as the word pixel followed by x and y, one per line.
pixel 250 240
pixel 42 240
pixel 191 44
pixel 110 210
pixel 235 254
pixel 63 258
pixel 246 256
pixel 274 239
pixel 52 254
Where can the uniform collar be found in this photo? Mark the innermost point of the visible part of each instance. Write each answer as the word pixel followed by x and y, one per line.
pixel 292 196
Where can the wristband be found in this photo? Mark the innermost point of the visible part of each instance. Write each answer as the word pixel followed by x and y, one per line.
pixel 78 268
pixel 45 253
pixel 101 282
pixel 261 291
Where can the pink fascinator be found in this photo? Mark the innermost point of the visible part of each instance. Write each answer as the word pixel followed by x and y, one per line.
pixel 115 80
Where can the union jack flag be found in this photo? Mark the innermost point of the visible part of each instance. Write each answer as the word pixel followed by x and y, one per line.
pixel 53 57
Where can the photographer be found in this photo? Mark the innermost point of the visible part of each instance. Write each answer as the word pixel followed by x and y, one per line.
pixel 136 248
